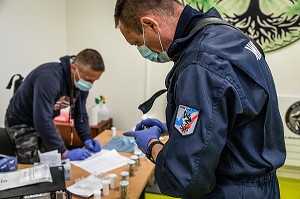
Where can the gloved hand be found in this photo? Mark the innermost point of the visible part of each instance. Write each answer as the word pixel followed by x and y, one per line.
pixel 92 145
pixel 149 122
pixel 143 137
pixel 78 154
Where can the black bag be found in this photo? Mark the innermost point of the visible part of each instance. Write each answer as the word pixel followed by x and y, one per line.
pixel 17 82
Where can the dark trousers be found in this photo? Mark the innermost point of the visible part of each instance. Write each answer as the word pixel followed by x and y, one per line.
pixel 25 139
pixel 263 186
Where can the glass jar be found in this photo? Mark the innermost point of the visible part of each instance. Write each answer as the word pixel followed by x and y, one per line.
pixel 124 189
pixel 139 155
pixel 124 175
pixel 136 159
pixel 131 169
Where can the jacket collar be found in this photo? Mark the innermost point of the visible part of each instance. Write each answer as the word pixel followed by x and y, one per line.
pixel 182 38
pixel 66 67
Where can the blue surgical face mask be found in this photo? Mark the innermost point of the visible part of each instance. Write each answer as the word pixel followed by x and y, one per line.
pixel 81 84
pixel 153 56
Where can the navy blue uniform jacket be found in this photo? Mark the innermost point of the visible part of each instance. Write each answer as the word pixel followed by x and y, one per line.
pixel 222 81
pixel 41 96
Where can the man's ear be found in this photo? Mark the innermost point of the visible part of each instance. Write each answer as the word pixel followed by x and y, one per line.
pixel 73 67
pixel 150 23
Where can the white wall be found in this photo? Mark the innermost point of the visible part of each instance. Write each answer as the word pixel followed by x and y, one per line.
pixel 31 32
pixel 90 24
pixel 37 31
pixel 285 66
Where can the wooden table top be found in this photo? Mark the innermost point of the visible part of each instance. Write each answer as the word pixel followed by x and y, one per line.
pixel 137 183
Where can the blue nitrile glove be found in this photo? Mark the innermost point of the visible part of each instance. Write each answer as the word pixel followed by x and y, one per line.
pixel 92 145
pixel 143 137
pixel 78 154
pixel 149 122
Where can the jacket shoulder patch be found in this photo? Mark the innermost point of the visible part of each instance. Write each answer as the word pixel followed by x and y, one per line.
pixel 186 120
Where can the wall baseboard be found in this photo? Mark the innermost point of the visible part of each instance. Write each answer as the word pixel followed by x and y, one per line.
pixel 292 172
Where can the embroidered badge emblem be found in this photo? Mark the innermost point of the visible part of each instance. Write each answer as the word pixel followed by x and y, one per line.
pixel 186 120
pixel 292 118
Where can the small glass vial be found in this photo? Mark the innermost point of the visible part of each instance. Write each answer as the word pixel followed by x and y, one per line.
pixel 124 175
pixel 139 155
pixel 124 189
pixel 136 159
pixel 131 169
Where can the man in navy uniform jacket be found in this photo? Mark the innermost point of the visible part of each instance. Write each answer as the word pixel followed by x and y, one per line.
pixel 47 89
pixel 225 131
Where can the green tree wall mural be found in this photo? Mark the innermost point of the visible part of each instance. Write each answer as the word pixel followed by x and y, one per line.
pixel 272 23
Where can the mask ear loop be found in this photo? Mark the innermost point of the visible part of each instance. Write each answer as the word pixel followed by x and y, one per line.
pixel 162 48
pixel 77 72
pixel 144 35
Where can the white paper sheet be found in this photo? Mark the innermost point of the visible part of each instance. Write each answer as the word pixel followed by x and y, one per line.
pixel 86 187
pixel 102 162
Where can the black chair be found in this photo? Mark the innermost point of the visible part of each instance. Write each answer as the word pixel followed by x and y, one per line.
pixel 6 145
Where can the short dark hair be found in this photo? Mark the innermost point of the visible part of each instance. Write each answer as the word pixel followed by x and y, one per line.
pixel 91 58
pixel 130 11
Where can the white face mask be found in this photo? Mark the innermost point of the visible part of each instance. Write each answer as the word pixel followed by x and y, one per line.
pixel 153 56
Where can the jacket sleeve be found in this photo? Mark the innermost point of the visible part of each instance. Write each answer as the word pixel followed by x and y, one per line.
pixel 81 117
pixel 46 88
pixel 186 165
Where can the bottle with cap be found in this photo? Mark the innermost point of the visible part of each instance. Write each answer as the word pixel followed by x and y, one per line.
pixel 104 109
pixel 136 160
pixel 124 189
pixel 139 155
pixel 124 175
pixel 97 102
pixel 93 115
pixel 131 169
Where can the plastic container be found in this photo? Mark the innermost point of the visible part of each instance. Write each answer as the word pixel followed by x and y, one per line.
pixel 97 194
pixel 93 116
pixel 106 187
pixel 113 131
pixel 97 104
pixel 104 112
pixel 112 179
